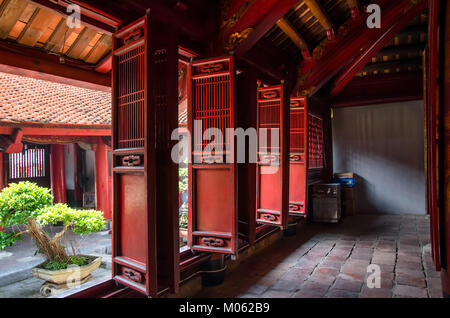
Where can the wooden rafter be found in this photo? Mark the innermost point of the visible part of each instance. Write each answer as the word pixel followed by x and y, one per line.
pixel 337 54
pixel 322 17
pixel 390 67
pixel 103 23
pixel 264 25
pixel 296 37
pixel 354 8
pixel 370 51
pixel 18 56
pixel 380 89
pixel 12 10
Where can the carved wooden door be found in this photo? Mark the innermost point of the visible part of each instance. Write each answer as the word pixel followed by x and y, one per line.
pixel 212 177
pixel 145 236
pixel 298 157
pixel 272 202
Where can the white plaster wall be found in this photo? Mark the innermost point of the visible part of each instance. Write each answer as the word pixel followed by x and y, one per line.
pixel 384 146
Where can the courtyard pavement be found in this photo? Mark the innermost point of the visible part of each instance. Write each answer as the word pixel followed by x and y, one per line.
pixel 331 260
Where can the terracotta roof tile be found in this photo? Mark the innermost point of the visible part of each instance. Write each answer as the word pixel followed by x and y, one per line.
pixel 25 99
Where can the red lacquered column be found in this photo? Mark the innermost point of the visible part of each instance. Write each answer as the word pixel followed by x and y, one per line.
pixel 102 178
pixel 57 173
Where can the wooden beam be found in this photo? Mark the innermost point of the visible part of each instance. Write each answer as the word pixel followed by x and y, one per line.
pixel 102 22
pixel 298 40
pixel 47 130
pixel 11 13
pixel 380 89
pixel 322 17
pixel 337 54
pixel 358 64
pixel 33 60
pixel 354 8
pixel 264 25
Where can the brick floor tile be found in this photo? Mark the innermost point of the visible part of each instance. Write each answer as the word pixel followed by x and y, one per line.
pixel 376 293
pixel 359 277
pixel 256 289
pixel 334 258
pixel 387 279
pixel 286 285
pixel 337 293
pixel 332 264
pixel 408 265
pixel 247 296
pixel 326 271
pixel 361 256
pixel 309 294
pixel 276 294
pixel 435 292
pixel 411 278
pixel 348 285
pixel 410 291
pixel 322 279
pixel 315 287
pixel 297 274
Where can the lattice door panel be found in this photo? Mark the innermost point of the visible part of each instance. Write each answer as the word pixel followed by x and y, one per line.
pixel 272 158
pixel 145 241
pixel 297 157
pixel 315 142
pixel 211 110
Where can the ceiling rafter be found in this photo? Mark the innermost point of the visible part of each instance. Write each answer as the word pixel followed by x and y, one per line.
pixel 28 24
pixel 10 12
pixel 296 37
pixel 322 17
pixel 103 23
pixel 264 25
pixel 366 55
pixel 335 55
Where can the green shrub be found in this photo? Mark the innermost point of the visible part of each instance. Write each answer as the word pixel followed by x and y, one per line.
pixel 25 203
pixel 21 201
pixel 80 221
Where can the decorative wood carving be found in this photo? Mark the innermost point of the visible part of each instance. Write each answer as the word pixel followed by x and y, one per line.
pixel 132 275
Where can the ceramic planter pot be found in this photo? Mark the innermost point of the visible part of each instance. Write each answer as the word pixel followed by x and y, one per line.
pixel 63 275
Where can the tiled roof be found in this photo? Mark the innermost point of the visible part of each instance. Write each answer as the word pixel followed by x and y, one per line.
pixel 29 100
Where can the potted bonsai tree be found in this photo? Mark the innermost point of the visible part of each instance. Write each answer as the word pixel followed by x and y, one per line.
pixel 25 208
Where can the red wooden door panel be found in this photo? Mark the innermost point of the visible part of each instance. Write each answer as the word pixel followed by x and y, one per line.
pixel 272 203
pixel 297 157
pixel 212 208
pixel 145 236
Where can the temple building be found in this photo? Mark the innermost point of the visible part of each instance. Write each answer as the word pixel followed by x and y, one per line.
pixel 222 137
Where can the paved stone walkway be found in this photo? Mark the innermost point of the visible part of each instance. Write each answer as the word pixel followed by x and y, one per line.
pixel 331 260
